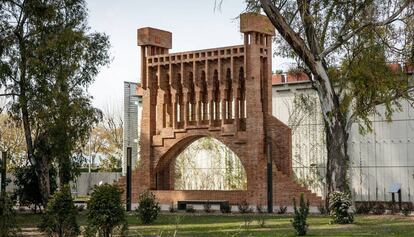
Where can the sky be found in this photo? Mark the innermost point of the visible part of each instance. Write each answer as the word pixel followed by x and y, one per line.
pixel 195 24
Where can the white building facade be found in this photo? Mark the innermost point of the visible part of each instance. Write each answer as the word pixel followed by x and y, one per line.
pixel 132 121
pixel 378 160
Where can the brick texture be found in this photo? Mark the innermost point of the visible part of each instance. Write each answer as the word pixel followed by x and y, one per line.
pixel 224 93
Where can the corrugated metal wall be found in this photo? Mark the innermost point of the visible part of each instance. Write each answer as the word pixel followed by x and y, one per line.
pixel 132 118
pixel 378 159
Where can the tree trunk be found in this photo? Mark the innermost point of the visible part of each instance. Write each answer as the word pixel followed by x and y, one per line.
pixel 337 159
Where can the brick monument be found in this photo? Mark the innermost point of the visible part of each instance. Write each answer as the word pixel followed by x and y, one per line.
pixel 224 93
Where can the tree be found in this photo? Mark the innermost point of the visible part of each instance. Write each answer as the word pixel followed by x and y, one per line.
pixel 12 141
pixel 345 47
pixel 48 59
pixel 105 140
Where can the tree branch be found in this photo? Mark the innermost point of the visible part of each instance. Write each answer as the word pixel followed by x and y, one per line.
pixel 297 43
pixel 342 38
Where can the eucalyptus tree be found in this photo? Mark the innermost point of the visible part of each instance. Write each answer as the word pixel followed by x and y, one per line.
pixel 346 47
pixel 49 57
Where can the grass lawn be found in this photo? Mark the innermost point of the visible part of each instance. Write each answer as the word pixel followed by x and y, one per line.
pixel 234 225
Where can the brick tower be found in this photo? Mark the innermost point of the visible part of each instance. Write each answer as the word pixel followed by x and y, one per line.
pixel 224 93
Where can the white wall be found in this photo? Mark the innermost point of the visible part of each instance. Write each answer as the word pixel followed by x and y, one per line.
pixel 378 159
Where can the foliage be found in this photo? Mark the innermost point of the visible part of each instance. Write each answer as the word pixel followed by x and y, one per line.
pixel 261 220
pixel 12 140
pixel 244 207
pixel 407 208
pixel 224 171
pixel 106 211
pixel 8 225
pixel 393 207
pixel 300 215
pixel 225 208
pixel 105 140
pixel 148 208
pixel 59 218
pixel 339 204
pixel 260 208
pixel 49 59
pixel 190 209
pixel 322 209
pixel 172 209
pixel 379 209
pixel 346 48
pixel 28 191
pixel 363 208
pixel 207 207
pixel 282 210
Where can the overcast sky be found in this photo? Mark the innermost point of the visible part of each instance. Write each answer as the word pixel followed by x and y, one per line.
pixel 195 24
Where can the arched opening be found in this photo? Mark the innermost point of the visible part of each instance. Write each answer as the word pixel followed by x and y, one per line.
pixel 204 99
pixel 191 100
pixel 167 109
pixel 208 164
pixel 216 100
pixel 179 103
pixel 229 98
pixel 241 94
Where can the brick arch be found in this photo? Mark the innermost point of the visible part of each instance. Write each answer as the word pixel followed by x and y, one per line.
pixel 250 130
pixel 180 145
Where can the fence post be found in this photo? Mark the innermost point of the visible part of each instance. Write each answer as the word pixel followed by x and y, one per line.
pixel 269 178
pixel 128 179
pixel 3 172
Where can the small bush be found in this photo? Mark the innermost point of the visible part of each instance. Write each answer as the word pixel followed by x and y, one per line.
pixel 300 216
pixel 207 207
pixel 393 207
pixel 260 209
pixel 106 211
pixel 379 209
pixel 407 208
pixel 8 225
pixel 282 210
pixel 172 208
pixel 148 208
pixel 363 208
pixel 322 209
pixel 225 208
pixel 261 220
pixel 339 204
pixel 190 209
pixel 59 218
pixel 81 208
pixel 244 207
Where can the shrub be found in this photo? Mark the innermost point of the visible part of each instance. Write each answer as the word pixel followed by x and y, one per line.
pixel 393 207
pixel 28 191
pixel 207 207
pixel 407 208
pixel 59 218
pixel 261 220
pixel 8 225
pixel 244 207
pixel 300 216
pixel 148 208
pixel 322 209
pixel 339 204
pixel 189 209
pixel 363 208
pixel 225 208
pixel 282 210
pixel 260 208
pixel 172 208
pixel 106 211
pixel 379 209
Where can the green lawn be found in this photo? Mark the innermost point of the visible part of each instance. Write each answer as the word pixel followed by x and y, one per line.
pixel 234 225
